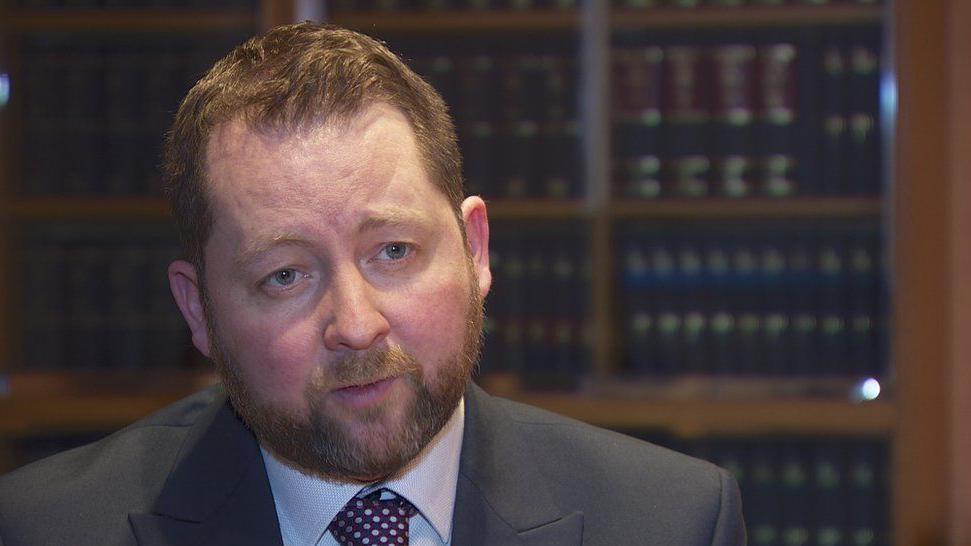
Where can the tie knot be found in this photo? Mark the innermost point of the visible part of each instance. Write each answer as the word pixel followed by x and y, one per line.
pixel 371 521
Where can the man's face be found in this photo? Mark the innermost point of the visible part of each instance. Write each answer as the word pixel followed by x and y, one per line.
pixel 341 304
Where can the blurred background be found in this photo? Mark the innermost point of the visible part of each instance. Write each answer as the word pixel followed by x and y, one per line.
pixel 731 227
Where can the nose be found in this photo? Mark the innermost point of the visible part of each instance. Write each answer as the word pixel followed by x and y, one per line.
pixel 356 321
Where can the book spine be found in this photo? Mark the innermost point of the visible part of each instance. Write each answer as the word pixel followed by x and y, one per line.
pixel 777 117
pixel 560 162
pixel 687 104
pixel 834 123
pixel 45 310
pixel 476 118
pixel 864 170
pixel 637 110
pixel 733 119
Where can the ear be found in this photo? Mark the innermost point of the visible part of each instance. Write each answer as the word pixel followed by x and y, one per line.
pixel 476 221
pixel 184 282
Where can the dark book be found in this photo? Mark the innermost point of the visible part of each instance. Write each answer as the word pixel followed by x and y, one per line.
pixel 864 304
pixel 834 130
pixel 763 509
pixel 864 170
pixel 687 176
pixel 667 307
pixel 733 118
pixel 128 323
pixel 800 300
pixel 828 492
pixel 776 318
pixel 87 345
pixel 45 316
pixel 867 495
pixel 519 124
pixel 686 100
pixel 777 119
pixel 640 323
pixel 694 319
pixel 560 151
pixel 749 327
pixel 831 293
pixel 476 117
pixel 637 110
pixel 723 316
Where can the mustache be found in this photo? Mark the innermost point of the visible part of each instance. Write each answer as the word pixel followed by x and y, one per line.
pixel 368 367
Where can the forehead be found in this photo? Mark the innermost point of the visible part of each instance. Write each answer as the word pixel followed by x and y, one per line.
pixel 336 170
pixel 237 153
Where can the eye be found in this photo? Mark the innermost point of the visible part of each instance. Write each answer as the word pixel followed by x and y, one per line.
pixel 283 278
pixel 394 251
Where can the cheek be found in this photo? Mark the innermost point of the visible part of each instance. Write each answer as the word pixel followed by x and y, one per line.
pixel 432 325
pixel 275 361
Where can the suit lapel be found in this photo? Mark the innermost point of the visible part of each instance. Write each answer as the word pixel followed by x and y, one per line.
pixel 217 492
pixel 501 496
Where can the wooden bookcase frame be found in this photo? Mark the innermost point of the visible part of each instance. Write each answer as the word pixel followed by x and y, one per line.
pixel 932 341
pixel 927 415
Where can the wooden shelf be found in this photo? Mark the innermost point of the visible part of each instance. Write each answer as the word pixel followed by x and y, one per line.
pixel 48 402
pixel 689 418
pixel 460 21
pixel 127 20
pixel 528 209
pixel 58 402
pixel 700 406
pixel 694 418
pixel 749 208
pixel 744 17
pixel 150 207
pixel 55 208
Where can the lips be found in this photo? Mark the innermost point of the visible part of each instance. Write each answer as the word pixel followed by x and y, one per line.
pixel 364 395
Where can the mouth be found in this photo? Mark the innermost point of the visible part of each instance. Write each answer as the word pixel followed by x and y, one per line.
pixel 365 394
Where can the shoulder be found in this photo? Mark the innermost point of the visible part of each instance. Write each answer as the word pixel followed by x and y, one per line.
pixel 587 469
pixel 576 443
pixel 106 479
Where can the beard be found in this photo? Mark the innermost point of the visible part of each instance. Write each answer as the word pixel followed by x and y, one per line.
pixel 322 444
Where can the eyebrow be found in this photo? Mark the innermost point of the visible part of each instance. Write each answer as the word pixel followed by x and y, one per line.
pixel 393 218
pixel 251 252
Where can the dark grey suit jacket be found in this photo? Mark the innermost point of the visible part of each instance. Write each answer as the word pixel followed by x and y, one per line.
pixel 192 474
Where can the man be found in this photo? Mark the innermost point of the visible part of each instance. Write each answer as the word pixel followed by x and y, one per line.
pixel 335 276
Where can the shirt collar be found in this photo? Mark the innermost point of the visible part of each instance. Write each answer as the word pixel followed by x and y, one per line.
pixel 305 505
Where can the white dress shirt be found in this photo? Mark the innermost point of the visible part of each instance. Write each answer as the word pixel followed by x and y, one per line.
pixel 305 505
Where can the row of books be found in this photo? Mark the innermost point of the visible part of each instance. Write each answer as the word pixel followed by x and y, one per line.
pixel 148 4
pixel 691 120
pixel 516 116
pixel 94 109
pixel 789 302
pixel 650 4
pixel 670 341
pixel 538 311
pixel 739 116
pixel 104 303
pixel 345 6
pixel 543 351
pixel 404 6
pixel 801 491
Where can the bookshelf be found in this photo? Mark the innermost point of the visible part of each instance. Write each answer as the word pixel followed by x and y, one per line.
pixel 926 213
pixel 142 20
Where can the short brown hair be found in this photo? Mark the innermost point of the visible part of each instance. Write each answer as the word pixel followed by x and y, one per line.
pixel 292 77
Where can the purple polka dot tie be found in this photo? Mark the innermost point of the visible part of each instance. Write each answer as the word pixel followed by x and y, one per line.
pixel 370 521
